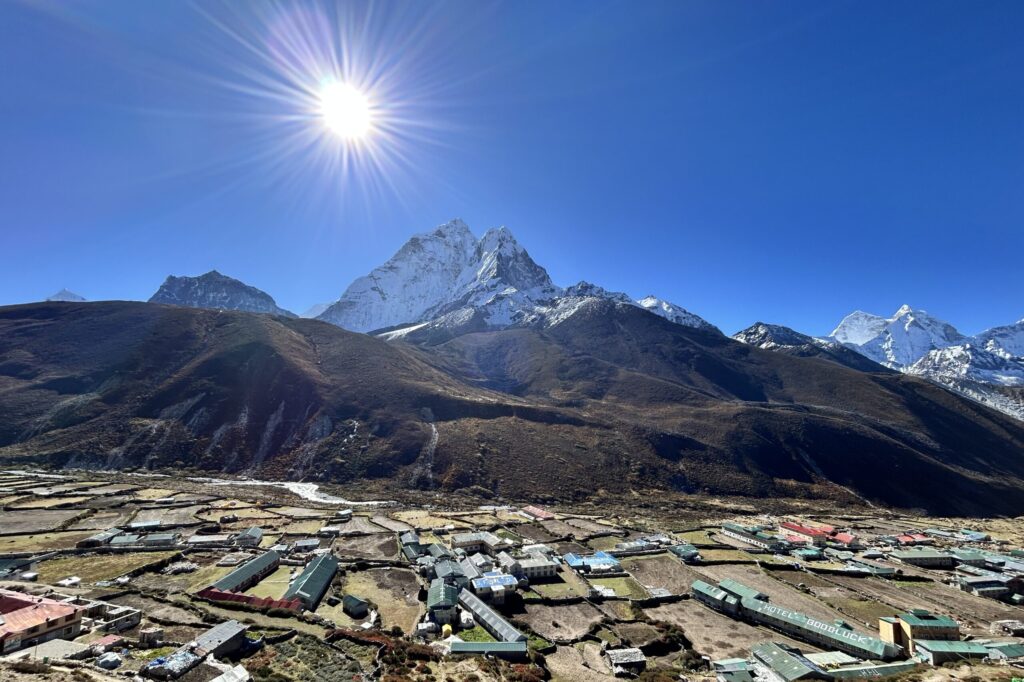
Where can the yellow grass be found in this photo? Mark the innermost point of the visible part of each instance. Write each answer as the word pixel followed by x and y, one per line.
pixel 274 585
pixel 94 568
pixel 153 493
pixel 49 502
pixel 42 541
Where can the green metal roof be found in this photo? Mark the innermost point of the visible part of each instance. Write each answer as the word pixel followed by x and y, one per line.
pixel 716 593
pixel 864 645
pixel 951 647
pixel 441 595
pixel 247 570
pixel 873 670
pixel 924 618
pixel 489 647
pixel 739 589
pixel 311 585
pixel 923 553
pixel 788 665
pixel 1007 649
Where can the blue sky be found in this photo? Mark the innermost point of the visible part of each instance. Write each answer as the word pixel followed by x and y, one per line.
pixel 786 162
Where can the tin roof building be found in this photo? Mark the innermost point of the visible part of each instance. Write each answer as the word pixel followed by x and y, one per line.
pixel 249 573
pixel 311 585
pixel 490 619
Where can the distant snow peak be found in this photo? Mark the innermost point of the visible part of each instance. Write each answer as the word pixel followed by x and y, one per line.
pixel 674 313
pixel 769 336
pixel 984 367
pixel 897 341
pixel 858 327
pixel 218 292
pixel 315 310
pixel 67 296
pixel 446 280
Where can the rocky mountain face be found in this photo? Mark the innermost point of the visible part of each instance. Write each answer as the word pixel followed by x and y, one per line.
pixel 446 282
pixel 982 367
pixel 603 398
pixel 216 292
pixel 67 296
pixel 785 340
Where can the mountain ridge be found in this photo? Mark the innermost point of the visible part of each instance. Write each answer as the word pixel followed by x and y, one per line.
pixel 608 400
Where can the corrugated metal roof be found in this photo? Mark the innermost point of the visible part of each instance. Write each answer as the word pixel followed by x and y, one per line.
pixel 924 618
pixel 864 645
pixel 247 570
pixel 788 664
pixel 1007 649
pixel 951 647
pixel 489 618
pixel 739 589
pixel 483 648
pixel 313 582
pixel 441 595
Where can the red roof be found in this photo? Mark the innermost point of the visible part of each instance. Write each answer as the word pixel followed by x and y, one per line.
pixel 109 640
pixel 21 612
pixel 538 513
pixel 802 530
pixel 795 539
pixel 845 538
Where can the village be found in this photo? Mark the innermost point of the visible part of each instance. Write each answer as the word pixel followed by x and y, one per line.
pixel 120 576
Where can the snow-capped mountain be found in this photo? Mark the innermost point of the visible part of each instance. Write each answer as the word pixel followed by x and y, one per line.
pixel 770 336
pixel 315 310
pixel 218 292
pixel 987 367
pixel 1007 340
pixel 899 341
pixel 783 339
pixel 673 313
pixel 448 282
pixel 65 295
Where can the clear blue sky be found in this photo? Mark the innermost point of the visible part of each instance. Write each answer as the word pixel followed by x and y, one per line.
pixel 778 161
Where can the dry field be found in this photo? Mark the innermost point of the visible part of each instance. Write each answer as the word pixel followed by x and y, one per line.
pixel 535 533
pixel 974 612
pixel 395 592
pixel 561 623
pixel 579 663
pixel 42 541
pixel 102 520
pixel 379 546
pixel 714 634
pixel 95 568
pixel 173 516
pixel 778 591
pixel 662 570
pixel 35 521
pixel 50 502
pixel 390 524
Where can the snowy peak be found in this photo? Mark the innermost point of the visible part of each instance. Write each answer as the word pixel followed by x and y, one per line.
pixel 970 362
pixel 587 290
pixel 217 292
pixel 1007 340
pixel 771 336
pixel 315 310
pixel 897 341
pixel 674 313
pixel 858 328
pixel 68 296
pixel 421 276
pixel 444 282
pixel 987 368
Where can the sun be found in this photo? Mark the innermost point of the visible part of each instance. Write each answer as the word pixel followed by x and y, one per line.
pixel 345 111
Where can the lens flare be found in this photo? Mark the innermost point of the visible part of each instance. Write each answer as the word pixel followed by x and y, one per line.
pixel 345 110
